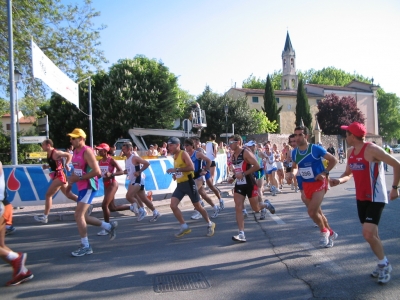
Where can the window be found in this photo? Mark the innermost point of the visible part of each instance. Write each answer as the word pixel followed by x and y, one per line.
pixel 292 62
pixel 8 126
pixel 255 100
pixel 277 100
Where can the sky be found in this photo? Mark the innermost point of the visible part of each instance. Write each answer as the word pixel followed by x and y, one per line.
pixel 222 42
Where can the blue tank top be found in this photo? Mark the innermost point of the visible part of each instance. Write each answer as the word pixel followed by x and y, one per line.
pixel 309 161
pixel 198 164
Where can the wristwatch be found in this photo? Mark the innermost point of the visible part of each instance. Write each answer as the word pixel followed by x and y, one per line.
pixel 395 187
pixel 326 173
pixel 80 177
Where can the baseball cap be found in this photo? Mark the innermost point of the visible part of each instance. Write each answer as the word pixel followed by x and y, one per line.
pixel 151 146
pixel 355 128
pixel 250 144
pixel 77 132
pixel 174 141
pixel 103 146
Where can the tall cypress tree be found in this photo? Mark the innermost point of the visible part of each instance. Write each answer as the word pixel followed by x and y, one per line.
pixel 302 107
pixel 270 108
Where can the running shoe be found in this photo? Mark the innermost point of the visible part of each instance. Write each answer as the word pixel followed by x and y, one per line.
pixel 90 209
pixel 239 238
pixel 263 214
pixel 216 212
pixel 270 207
pixel 18 264
pixel 10 230
pixel 41 219
pixel 81 251
pixel 245 214
pixel 20 278
pixel 102 232
pixel 281 186
pixel 210 229
pixel 142 215
pixel 292 186
pixel 332 237
pixel 155 217
pixel 296 189
pixel 384 272
pixel 273 190
pixel 202 203
pixel 196 216
pixel 221 204
pixel 324 240
pixel 183 231
pixel 113 231
pixel 134 208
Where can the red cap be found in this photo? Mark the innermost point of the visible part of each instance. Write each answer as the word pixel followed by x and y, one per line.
pixel 356 129
pixel 103 146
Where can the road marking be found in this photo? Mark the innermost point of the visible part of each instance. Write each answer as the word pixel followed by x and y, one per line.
pixel 277 219
pixel 323 258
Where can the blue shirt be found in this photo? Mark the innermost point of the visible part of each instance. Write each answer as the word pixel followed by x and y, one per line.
pixel 309 162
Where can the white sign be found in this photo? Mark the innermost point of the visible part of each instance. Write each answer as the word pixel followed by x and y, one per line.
pixel 31 139
pixel 46 70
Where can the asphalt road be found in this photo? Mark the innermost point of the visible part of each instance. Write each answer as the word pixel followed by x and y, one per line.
pixel 281 259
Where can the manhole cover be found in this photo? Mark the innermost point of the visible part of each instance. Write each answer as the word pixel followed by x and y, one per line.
pixel 180 282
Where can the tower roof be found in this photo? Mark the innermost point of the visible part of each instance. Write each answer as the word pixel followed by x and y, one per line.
pixel 288 44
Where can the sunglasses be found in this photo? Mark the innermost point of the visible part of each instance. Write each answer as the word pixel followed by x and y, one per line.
pixel 231 142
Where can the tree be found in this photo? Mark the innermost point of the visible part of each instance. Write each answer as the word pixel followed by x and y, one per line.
pixel 257 83
pixel 135 92
pixel 334 112
pixel 270 108
pixel 388 115
pixel 331 76
pixel 65 33
pixel 4 106
pixel 302 107
pixel 263 124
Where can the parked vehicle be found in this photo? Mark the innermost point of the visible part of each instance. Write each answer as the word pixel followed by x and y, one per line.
pixel 397 149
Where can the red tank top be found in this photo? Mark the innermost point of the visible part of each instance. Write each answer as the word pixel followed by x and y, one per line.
pixel 369 177
pixel 106 166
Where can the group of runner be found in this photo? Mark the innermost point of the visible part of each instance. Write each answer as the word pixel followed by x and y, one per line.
pixel 193 166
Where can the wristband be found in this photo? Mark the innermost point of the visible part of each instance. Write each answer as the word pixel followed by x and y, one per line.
pixel 395 187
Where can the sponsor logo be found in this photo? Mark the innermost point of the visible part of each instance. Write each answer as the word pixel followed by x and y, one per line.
pixel 357 166
pixel 368 219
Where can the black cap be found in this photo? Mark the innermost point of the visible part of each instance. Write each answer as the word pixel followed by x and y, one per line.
pixel 174 140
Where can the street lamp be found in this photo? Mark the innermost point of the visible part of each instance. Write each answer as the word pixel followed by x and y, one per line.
pixel 17 78
pixel 226 122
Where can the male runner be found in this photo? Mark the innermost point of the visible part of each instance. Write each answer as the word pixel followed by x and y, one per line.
pixel 184 176
pixel 308 163
pixel 245 164
pixel 59 179
pixel 365 165
pixel 86 170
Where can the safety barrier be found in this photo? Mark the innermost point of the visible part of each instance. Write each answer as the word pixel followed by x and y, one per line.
pixel 27 184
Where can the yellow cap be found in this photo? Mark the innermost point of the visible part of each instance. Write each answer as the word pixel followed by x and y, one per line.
pixel 77 133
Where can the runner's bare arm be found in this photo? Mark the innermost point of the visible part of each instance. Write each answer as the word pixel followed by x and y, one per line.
pixel 345 176
pixel 200 155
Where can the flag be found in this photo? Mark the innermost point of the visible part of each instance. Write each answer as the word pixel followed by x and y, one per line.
pixel 49 73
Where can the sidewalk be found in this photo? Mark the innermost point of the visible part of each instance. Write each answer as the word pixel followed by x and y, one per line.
pixel 65 212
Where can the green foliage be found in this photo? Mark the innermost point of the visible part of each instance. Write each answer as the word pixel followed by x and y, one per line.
pixel 65 33
pixel 270 108
pixel 264 125
pixel 135 92
pixel 302 107
pixel 4 106
pixel 388 115
pixel 238 114
pixel 334 112
pixel 330 76
pixel 258 83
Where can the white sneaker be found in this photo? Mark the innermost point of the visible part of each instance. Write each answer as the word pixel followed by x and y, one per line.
pixel 296 189
pixel 196 216
pixel 332 237
pixel 102 232
pixel 292 186
pixel 142 215
pixel 239 238
pixel 41 219
pixel 216 212
pixel 245 214
pixel 155 217
pixel 324 240
pixel 134 208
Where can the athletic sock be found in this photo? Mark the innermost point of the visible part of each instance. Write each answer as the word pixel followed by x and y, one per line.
pixel 184 226
pixel 105 225
pixel 331 231
pixel 11 256
pixel 85 242
pixel 383 261
pixel 325 230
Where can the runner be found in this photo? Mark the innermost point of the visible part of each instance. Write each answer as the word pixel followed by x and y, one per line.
pixel 211 152
pixel 14 259
pixel 307 162
pixel 245 165
pixel 279 165
pixel 296 179
pixel 365 165
pixel 270 166
pixel 86 170
pixel 55 163
pixel 207 177
pixel 135 165
pixel 107 167
pixel 198 158
pixel 183 174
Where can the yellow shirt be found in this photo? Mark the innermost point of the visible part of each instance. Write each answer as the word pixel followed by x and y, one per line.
pixel 179 163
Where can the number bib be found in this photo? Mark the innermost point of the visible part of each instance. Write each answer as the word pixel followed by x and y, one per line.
pixel 240 181
pixel 104 170
pixel 78 172
pixel 290 164
pixel 306 173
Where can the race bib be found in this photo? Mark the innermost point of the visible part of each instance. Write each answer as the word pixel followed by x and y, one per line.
pixel 240 181
pixel 104 170
pixel 78 172
pixel 290 164
pixel 306 173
